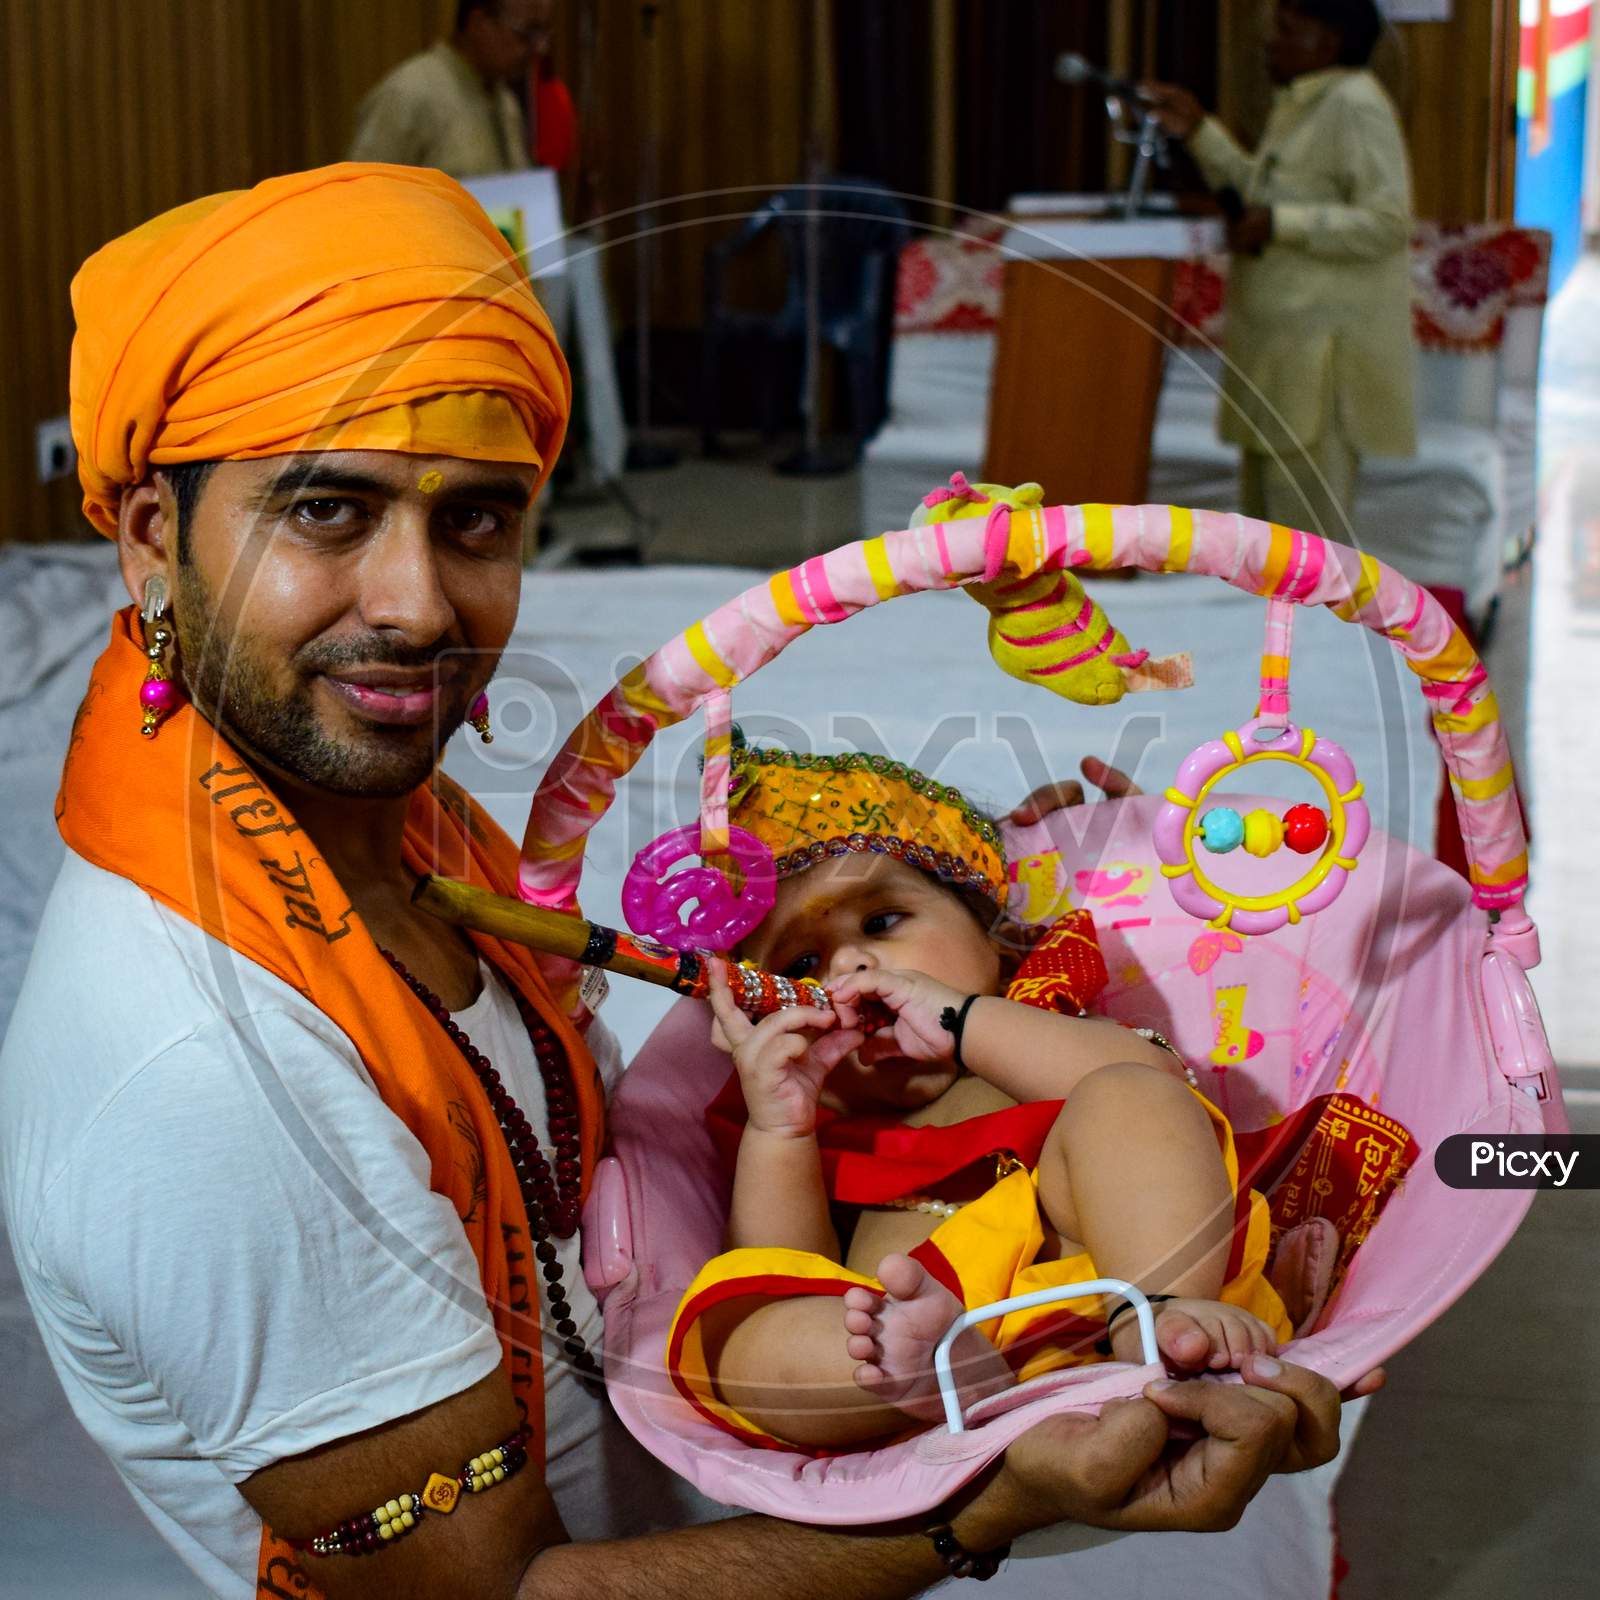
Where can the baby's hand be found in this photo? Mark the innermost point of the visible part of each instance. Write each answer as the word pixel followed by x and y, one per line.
pixel 917 1002
pixel 782 1060
pixel 1196 1335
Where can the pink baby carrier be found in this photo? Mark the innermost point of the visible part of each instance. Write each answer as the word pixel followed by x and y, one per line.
pixel 1406 994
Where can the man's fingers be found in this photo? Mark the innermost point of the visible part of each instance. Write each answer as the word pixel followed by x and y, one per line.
pixel 1088 1467
pixel 1367 1383
pixel 1049 797
pixel 1113 781
pixel 1230 1412
pixel 1046 798
pixel 1315 1436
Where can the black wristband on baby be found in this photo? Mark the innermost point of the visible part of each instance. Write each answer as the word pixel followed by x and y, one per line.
pixel 953 1021
pixel 1103 1346
pixel 962 1562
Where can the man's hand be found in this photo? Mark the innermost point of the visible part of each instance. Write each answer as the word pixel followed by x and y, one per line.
pixel 1048 797
pixel 1178 112
pixel 1252 232
pixel 1123 1471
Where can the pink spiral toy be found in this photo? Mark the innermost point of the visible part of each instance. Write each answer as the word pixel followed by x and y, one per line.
pixel 653 897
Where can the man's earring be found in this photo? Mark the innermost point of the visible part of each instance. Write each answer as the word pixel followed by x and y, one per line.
pixel 478 718
pixel 159 696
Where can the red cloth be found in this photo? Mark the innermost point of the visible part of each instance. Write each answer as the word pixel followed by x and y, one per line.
pixel 868 1161
pixel 553 123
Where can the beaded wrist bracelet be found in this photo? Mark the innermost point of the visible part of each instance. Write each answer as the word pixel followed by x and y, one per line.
pixel 372 1530
pixel 962 1562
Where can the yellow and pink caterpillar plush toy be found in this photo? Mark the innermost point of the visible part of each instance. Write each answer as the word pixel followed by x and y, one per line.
pixel 1045 629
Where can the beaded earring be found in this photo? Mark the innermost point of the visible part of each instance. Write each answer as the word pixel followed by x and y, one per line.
pixel 478 718
pixel 159 695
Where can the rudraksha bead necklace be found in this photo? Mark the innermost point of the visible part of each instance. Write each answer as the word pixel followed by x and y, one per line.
pixel 551 1199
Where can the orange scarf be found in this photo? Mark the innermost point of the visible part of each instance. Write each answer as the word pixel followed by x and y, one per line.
pixel 183 816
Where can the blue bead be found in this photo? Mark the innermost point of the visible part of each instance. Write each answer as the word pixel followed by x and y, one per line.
pixel 1221 830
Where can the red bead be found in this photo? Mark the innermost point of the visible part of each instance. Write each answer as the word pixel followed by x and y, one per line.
pixel 1304 828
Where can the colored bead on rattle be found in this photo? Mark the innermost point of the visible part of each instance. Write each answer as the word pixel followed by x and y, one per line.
pixel 1303 828
pixel 1221 830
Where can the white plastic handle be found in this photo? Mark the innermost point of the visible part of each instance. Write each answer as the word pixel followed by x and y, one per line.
pixel 1026 1302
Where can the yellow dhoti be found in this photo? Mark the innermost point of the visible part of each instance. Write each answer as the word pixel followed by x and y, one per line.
pixel 988 1251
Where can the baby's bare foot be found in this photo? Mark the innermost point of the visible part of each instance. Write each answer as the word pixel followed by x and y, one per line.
pixel 1193 1335
pixel 893 1337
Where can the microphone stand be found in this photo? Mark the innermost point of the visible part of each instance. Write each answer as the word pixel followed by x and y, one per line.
pixel 1133 122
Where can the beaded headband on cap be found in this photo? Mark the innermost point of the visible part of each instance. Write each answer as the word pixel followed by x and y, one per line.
pixel 808 808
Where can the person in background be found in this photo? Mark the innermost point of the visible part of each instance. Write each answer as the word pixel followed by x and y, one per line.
pixel 1319 366
pixel 454 106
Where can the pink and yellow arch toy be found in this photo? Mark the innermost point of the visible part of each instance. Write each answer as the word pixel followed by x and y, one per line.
pixel 704 664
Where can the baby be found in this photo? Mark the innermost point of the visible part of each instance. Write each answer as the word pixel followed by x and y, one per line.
pixel 972 1148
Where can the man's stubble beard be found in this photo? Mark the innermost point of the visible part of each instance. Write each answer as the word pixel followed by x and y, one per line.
pixel 230 686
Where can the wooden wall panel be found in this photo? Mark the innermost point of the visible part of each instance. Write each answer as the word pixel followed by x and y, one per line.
pixel 114 110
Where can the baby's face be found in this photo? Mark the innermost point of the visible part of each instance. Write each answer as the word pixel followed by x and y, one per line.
pixel 871 911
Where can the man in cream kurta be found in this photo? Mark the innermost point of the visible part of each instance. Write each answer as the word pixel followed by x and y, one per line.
pixel 1319 369
pixel 451 107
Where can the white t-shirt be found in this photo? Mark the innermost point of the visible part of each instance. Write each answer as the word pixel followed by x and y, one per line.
pixel 229 1241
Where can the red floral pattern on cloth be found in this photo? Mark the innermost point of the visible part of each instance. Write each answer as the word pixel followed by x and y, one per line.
pixel 950 283
pixel 1463 281
pixel 1199 294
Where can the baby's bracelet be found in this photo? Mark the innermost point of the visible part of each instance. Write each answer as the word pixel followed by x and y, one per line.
pixel 953 1021
pixel 372 1530
pixel 1103 1345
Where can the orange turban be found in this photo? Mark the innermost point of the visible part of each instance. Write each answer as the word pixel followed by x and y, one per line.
pixel 356 307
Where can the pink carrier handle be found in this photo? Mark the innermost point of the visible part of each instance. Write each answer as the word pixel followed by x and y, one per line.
pixel 948 1395
pixel 1261 558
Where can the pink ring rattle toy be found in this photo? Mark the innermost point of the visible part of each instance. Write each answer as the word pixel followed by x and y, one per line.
pixel 1185 822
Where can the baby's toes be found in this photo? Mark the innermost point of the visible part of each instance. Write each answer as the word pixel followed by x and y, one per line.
pixel 858 1299
pixel 862 1347
pixel 859 1321
pixel 1231 1341
pixel 1182 1339
pixel 1263 1341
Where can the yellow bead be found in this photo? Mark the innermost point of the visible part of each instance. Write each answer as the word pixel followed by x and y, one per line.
pixel 386 1530
pixel 382 1514
pixel 497 1455
pixel 498 1474
pixel 406 1502
pixel 407 1519
pixel 393 1508
pixel 475 1464
pixel 1263 833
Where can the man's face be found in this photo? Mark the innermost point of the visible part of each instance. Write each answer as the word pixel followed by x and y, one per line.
pixel 338 612
pixel 510 35
pixel 1298 44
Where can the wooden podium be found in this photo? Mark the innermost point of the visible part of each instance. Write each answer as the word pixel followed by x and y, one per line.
pixel 1078 357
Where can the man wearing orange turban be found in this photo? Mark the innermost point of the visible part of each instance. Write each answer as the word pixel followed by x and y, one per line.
pixel 293 1172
